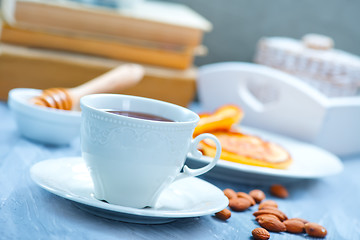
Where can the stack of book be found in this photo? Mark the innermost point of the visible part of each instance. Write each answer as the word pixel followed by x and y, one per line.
pixel 163 36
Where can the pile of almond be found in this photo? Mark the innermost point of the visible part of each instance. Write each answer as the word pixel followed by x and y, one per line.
pixel 268 215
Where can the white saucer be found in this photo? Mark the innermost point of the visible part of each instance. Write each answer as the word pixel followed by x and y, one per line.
pixel 70 179
pixel 309 162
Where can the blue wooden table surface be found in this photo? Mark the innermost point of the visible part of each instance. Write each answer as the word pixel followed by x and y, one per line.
pixel 29 212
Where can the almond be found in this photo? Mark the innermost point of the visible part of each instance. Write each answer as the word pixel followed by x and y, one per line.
pixel 269 207
pixel 300 219
pixel 239 204
pixel 229 193
pixel 262 216
pixel 257 195
pixel 273 225
pixel 224 214
pixel 268 203
pixel 278 190
pixel 260 234
pixel 246 196
pixel 279 214
pixel 294 226
pixel 315 230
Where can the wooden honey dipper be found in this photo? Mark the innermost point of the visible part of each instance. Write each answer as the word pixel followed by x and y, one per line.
pixel 116 79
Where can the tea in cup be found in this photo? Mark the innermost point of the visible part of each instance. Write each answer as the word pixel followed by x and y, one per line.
pixel 135 147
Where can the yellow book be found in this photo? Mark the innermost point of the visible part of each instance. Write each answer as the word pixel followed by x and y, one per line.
pixel 23 67
pixel 151 20
pixel 166 55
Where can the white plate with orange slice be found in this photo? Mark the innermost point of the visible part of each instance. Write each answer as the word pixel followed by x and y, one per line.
pixel 308 162
pixel 252 155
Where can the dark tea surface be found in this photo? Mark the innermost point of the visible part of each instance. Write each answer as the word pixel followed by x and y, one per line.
pixel 140 115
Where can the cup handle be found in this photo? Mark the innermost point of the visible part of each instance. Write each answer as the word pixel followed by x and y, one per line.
pixel 188 172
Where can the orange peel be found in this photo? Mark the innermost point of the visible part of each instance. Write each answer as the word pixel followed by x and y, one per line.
pixel 246 149
pixel 222 119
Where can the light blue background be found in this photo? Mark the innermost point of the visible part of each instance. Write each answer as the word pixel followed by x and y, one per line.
pixel 239 24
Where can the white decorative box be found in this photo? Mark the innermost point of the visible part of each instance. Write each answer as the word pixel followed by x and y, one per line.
pixel 314 60
pixel 278 102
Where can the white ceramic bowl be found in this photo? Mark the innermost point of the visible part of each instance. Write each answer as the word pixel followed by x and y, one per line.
pixel 41 124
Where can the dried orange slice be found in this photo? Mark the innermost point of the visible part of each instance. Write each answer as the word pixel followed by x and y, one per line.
pixel 222 119
pixel 247 149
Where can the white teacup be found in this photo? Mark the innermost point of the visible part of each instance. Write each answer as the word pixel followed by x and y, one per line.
pixel 132 160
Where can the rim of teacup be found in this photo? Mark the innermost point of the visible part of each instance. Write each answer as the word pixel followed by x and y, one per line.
pixel 86 102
